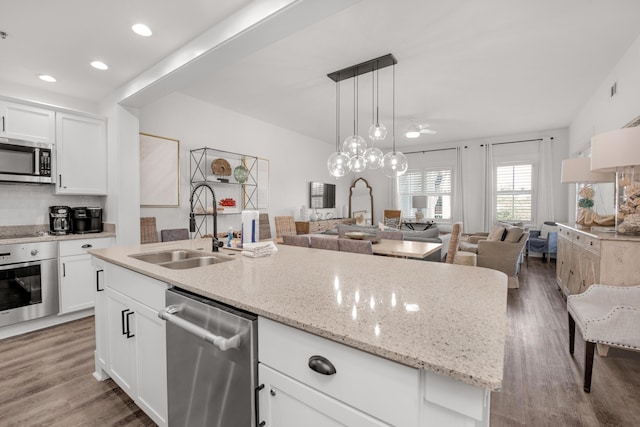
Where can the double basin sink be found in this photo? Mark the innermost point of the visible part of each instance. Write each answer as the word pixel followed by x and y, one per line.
pixel 180 259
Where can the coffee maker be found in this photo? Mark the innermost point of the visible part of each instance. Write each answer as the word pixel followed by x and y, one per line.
pixel 59 220
pixel 86 220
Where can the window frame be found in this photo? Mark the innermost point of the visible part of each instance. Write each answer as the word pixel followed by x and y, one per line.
pixel 503 162
pixel 423 172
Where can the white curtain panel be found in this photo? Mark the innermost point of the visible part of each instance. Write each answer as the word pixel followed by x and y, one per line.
pixel 546 183
pixel 458 213
pixel 394 193
pixel 489 188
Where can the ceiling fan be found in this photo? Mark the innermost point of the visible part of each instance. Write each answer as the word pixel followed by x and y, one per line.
pixel 415 130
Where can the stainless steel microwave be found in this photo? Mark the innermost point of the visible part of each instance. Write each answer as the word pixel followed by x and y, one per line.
pixel 26 161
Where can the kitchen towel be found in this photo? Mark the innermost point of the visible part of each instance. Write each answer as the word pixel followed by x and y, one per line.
pixel 250 226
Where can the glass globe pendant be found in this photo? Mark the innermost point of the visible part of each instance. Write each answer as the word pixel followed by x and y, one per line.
pixel 357 163
pixel 394 164
pixel 373 157
pixel 338 164
pixel 354 145
pixel 377 132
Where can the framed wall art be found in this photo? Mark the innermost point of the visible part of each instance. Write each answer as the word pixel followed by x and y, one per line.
pixel 159 171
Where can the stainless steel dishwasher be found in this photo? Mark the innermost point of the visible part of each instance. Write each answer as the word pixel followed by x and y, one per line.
pixel 212 358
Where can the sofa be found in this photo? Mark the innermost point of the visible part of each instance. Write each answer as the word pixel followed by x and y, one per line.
pixel 431 235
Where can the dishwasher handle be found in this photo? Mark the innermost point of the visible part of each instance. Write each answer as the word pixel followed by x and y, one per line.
pixel 224 344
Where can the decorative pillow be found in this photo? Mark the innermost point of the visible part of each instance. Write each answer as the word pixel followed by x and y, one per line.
pixel 497 233
pixel 545 229
pixel 513 234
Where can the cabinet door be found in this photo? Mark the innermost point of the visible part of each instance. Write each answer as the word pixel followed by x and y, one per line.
pixel 563 262
pixel 81 150
pixel 122 352
pixel 285 402
pixel 575 272
pixel 26 122
pixel 590 270
pixel 102 342
pixel 151 363
pixel 77 284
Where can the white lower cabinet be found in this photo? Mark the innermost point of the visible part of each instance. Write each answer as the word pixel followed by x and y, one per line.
pixel 77 273
pixel 135 338
pixel 284 402
pixel 364 390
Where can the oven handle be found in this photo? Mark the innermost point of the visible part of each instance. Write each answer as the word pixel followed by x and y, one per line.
pixel 22 264
pixel 224 344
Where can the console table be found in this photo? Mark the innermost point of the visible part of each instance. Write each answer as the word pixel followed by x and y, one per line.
pixel 310 227
pixel 588 256
pixel 411 225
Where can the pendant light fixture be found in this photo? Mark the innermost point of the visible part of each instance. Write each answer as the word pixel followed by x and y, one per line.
pixel 354 148
pixel 377 131
pixel 394 163
pixel 338 162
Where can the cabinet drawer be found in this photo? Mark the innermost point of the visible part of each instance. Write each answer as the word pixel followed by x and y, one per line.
pixel 314 227
pixel 80 247
pixel 362 380
pixel 141 288
pixel 589 243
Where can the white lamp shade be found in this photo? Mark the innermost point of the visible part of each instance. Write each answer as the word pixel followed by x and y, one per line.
pixel 579 170
pixel 419 202
pixel 615 149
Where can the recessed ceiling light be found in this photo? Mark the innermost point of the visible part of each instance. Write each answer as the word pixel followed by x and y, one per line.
pixel 46 78
pixel 141 30
pixel 99 65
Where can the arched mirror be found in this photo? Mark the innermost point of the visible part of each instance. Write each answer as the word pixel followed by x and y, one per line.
pixel 361 202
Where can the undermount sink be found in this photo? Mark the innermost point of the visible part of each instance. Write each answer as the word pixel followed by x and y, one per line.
pixel 180 259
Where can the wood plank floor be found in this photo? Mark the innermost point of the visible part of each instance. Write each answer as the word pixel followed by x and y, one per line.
pixel 45 376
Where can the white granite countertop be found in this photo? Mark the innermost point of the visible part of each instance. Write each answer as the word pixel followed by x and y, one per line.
pixel 444 318
pixel 52 238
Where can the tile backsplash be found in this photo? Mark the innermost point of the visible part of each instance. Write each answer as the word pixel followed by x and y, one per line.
pixel 22 204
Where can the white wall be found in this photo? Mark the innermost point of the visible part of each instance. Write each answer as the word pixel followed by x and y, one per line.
pixel 294 159
pixel 603 113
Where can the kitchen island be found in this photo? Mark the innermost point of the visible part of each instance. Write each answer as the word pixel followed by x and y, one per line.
pixel 424 317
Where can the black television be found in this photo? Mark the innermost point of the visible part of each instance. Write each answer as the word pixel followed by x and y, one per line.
pixel 322 196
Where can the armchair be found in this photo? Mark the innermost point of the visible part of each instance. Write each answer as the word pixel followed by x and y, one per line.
pixel 503 255
pixel 538 243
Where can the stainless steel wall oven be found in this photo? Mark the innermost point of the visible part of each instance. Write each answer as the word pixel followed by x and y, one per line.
pixel 28 281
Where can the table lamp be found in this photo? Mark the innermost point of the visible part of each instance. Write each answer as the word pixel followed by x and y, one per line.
pixel 419 203
pixel 619 151
pixel 577 171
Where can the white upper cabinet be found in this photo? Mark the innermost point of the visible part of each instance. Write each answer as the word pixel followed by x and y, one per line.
pixel 21 121
pixel 81 148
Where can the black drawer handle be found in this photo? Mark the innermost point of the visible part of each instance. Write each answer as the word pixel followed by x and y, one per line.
pixel 321 365
pixel 87 246
pixel 98 280
pixel 129 334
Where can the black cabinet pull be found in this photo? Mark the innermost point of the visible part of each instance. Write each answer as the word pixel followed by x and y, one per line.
pixel 129 334
pixel 124 331
pixel 59 181
pixel 98 281
pixel 87 246
pixel 321 365
pixel 64 270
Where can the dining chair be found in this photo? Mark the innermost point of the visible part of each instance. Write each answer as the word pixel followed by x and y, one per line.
pixel 356 246
pixel 318 242
pixel 148 230
pixel 392 218
pixel 285 225
pixel 302 241
pixel 456 233
pixel 264 226
pixel 172 234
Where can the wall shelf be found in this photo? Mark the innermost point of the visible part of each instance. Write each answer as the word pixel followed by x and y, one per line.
pixel 244 193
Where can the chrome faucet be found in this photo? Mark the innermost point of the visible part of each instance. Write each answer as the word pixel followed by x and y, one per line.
pixel 215 243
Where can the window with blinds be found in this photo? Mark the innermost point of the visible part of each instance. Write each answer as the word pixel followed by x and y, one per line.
pixel 514 192
pixel 436 185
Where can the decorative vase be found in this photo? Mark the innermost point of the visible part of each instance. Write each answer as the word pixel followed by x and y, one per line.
pixel 241 174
